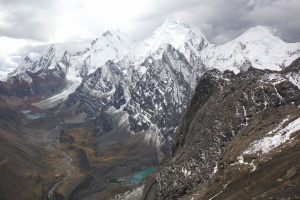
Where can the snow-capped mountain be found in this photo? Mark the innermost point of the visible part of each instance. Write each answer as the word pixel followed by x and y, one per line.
pixel 257 47
pixel 149 98
pixel 112 45
pixel 144 86
pixel 187 40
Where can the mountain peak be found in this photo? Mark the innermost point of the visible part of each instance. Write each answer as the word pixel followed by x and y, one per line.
pixel 171 32
pixel 260 28
pixel 168 22
pixel 182 37
pixel 107 34
pixel 258 32
pixel 27 59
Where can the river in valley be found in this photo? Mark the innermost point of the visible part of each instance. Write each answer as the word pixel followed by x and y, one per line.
pixel 65 166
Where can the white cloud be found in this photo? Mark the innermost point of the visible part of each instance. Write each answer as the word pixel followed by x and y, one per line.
pixel 8 47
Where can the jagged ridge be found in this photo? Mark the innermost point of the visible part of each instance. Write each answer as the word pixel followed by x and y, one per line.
pixel 230 114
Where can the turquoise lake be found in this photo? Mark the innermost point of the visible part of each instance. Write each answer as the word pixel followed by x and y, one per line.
pixel 33 116
pixel 139 176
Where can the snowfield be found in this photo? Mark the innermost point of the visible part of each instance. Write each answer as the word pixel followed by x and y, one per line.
pixel 274 138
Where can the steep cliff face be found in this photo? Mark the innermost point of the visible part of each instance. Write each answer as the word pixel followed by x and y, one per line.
pixel 235 124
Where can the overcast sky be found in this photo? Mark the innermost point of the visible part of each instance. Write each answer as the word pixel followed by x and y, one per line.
pixel 28 25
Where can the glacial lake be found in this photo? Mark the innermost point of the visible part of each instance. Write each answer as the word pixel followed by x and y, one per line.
pixel 139 176
pixel 34 116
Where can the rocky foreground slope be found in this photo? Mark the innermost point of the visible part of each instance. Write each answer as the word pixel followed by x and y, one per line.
pixel 238 139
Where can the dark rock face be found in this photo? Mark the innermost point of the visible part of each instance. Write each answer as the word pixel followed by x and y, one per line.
pixel 3 89
pixel 96 92
pixel 222 109
pixel 104 122
pixel 119 97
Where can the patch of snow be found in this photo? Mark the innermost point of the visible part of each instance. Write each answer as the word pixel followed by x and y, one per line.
pixel 279 127
pixel 245 115
pixel 240 160
pixel 142 70
pixel 215 169
pixel 186 172
pixel 275 138
pixel 294 79
pixel 135 194
pixel 215 196
pixel 254 167
pixel 58 98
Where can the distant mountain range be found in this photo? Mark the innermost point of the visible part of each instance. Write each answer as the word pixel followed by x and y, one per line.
pixel 149 82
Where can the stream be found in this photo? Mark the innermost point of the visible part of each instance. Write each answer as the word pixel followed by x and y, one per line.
pixel 65 165
pixel 49 139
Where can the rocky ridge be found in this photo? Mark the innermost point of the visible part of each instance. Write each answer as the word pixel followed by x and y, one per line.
pixel 236 128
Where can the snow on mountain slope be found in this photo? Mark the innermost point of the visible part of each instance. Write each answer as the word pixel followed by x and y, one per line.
pixel 112 45
pixel 257 47
pixel 58 98
pixel 46 60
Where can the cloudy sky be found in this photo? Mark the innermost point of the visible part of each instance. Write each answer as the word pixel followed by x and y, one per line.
pixel 26 26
